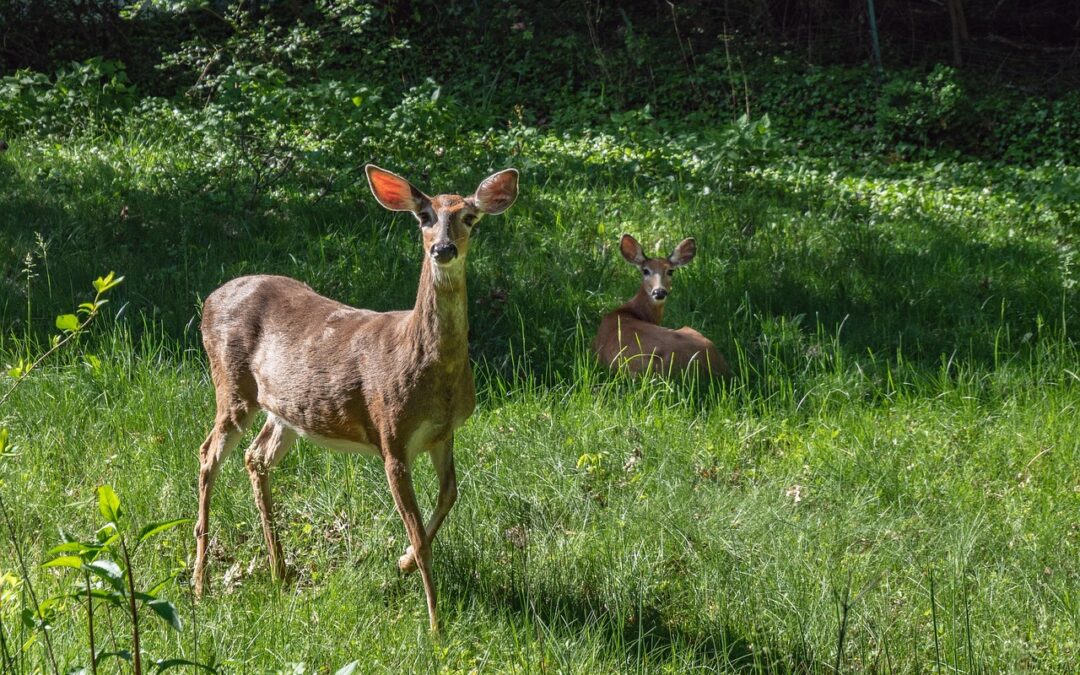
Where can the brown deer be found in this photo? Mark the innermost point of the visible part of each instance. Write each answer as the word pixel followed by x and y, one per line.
pixel 631 337
pixel 392 384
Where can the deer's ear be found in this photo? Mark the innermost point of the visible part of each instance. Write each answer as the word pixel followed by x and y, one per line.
pixel 496 192
pixel 631 250
pixel 683 253
pixel 393 191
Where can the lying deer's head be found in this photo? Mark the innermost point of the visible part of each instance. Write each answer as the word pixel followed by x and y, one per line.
pixel 446 221
pixel 657 272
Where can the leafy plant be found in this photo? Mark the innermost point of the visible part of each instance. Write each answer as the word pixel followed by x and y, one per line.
pixel 108 576
pixel 914 112
pixel 81 95
pixel 70 327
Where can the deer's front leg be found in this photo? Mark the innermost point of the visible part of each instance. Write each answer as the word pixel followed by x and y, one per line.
pixel 400 479
pixel 442 458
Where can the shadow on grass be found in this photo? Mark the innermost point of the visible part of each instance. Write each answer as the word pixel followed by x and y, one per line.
pixel 638 631
pixel 909 284
pixel 915 285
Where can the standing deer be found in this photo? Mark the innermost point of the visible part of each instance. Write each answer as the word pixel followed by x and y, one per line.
pixel 632 336
pixel 392 384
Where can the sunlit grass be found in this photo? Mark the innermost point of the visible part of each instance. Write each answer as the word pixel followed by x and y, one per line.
pixel 898 454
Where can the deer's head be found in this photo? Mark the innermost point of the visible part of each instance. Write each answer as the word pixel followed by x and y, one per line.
pixel 656 273
pixel 446 221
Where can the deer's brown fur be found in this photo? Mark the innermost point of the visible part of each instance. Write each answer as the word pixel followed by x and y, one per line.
pixel 392 384
pixel 631 337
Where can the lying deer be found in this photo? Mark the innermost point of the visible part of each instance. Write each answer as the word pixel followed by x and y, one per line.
pixel 392 384
pixel 631 337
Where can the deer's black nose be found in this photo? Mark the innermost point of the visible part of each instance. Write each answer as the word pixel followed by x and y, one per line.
pixel 659 293
pixel 443 253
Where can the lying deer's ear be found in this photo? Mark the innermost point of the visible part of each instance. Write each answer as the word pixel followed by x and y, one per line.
pixel 496 192
pixel 631 250
pixel 683 253
pixel 393 191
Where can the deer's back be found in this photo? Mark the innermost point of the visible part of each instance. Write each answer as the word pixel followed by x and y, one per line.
pixel 279 345
pixel 626 340
pixel 331 371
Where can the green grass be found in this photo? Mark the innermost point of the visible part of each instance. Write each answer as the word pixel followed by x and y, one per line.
pixel 899 453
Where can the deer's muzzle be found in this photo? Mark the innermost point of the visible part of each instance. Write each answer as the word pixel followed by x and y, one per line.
pixel 443 253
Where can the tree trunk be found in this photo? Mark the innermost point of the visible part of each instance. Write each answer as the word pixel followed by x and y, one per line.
pixel 959 29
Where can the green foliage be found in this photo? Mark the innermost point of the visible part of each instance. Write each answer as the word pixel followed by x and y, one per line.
pixel 889 260
pixel 79 97
pixel 70 327
pixel 918 112
pixel 107 559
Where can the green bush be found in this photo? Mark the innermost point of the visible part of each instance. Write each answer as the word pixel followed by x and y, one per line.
pixel 916 112
pixel 79 97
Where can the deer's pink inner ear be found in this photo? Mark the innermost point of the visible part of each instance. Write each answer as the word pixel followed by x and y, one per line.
pixel 392 192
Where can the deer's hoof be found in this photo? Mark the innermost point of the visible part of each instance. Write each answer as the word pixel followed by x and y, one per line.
pixel 407 563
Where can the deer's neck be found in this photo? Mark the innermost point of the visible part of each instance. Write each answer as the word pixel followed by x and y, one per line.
pixel 439 326
pixel 645 309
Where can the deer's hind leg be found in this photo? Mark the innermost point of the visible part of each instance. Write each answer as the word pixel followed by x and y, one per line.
pixel 233 417
pixel 269 446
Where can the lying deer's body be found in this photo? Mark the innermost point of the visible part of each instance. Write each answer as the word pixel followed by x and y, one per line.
pixel 631 337
pixel 392 384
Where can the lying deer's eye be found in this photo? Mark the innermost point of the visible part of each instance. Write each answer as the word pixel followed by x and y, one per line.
pixel 469 220
pixel 425 219
pixel 671 273
pixel 645 271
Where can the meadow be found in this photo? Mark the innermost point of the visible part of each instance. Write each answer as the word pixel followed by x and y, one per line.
pixel 891 483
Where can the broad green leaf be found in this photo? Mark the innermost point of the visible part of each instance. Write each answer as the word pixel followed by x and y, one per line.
pixel 167 611
pixel 93 363
pixel 9 590
pixel 111 597
pixel 106 534
pixel 102 284
pixel 28 619
pixel 348 668
pixel 67 322
pixel 74 547
pixel 65 561
pixel 108 504
pixel 122 654
pixel 19 369
pixel 110 572
pixel 152 529
pixel 357 100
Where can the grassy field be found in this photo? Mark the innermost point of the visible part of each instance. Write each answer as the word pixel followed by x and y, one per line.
pixel 891 483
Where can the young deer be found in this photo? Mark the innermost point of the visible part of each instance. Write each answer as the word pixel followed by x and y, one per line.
pixel 632 336
pixel 393 384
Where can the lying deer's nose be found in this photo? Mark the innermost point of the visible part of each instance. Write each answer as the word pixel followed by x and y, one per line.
pixel 443 253
pixel 659 293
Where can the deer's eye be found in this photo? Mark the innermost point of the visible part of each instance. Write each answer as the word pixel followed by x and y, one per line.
pixel 671 272
pixel 425 219
pixel 645 271
pixel 469 220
